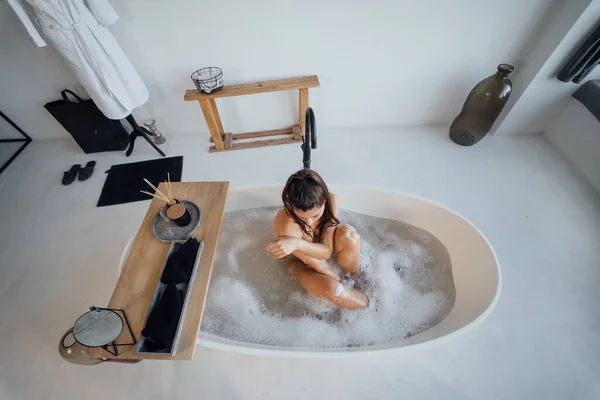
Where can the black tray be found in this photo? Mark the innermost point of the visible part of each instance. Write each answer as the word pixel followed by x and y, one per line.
pixel 160 288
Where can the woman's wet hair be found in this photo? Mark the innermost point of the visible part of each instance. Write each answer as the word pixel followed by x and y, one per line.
pixel 305 190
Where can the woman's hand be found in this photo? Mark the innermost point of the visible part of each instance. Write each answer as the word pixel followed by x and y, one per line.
pixel 282 247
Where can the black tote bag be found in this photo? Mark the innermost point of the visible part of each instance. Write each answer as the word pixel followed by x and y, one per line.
pixel 92 131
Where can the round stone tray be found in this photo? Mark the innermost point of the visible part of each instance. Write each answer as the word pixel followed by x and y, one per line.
pixel 168 231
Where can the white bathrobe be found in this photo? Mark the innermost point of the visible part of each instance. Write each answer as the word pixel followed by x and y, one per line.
pixel 80 35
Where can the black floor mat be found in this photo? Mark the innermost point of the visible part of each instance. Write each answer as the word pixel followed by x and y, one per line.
pixel 124 181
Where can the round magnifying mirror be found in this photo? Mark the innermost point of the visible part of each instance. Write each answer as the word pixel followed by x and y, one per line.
pixel 97 328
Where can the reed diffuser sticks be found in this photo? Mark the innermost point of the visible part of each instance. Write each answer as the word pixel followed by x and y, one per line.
pixel 160 195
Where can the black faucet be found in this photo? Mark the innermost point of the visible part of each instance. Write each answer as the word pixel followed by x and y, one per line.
pixel 310 137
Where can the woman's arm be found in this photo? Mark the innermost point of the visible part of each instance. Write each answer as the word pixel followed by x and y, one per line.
pixel 320 251
pixel 321 266
pixel 289 239
pixel 288 231
pixel 289 236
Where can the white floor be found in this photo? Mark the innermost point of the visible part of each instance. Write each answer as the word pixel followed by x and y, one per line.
pixel 59 255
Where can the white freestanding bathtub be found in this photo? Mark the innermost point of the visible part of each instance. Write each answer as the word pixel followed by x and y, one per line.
pixel 475 268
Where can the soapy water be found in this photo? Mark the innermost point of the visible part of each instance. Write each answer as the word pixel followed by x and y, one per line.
pixel 405 272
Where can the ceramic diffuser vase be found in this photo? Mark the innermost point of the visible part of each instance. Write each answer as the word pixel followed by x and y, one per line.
pixel 482 107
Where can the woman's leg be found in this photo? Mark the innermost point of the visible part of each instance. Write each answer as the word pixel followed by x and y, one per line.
pixel 321 266
pixel 346 244
pixel 325 287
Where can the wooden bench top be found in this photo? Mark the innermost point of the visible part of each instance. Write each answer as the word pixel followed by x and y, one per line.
pixel 143 268
pixel 305 82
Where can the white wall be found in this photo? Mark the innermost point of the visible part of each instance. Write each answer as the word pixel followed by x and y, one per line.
pixel 29 78
pixel 379 62
pixel 546 96
pixel 575 132
pixel 551 30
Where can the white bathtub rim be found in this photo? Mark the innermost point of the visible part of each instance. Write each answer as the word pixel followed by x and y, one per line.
pixel 274 351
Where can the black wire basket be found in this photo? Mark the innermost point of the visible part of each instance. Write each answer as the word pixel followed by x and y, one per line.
pixel 209 79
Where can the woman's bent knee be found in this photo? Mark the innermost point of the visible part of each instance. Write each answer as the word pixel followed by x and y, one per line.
pixel 346 236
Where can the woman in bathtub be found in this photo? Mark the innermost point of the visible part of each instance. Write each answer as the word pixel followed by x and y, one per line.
pixel 307 228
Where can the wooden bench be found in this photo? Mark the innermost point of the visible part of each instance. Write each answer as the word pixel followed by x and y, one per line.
pixel 227 141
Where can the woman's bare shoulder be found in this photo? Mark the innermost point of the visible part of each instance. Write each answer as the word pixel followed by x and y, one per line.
pixel 284 225
pixel 282 216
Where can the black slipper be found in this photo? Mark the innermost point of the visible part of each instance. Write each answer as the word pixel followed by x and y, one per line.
pixel 87 171
pixel 70 175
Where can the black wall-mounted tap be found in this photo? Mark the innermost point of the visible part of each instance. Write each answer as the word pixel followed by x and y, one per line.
pixel 310 137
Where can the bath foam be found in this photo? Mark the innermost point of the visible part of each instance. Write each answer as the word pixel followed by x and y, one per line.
pixel 405 272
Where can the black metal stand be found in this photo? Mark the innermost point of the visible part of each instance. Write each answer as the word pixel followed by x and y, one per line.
pixel 139 131
pixel 25 142
pixel 113 344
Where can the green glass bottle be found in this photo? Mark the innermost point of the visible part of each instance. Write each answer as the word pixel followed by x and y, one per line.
pixel 482 107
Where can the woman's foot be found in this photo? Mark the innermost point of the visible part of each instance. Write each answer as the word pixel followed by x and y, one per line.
pixel 349 298
pixel 325 287
pixel 348 281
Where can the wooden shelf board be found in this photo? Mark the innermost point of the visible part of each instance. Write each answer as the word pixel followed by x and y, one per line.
pixel 243 89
